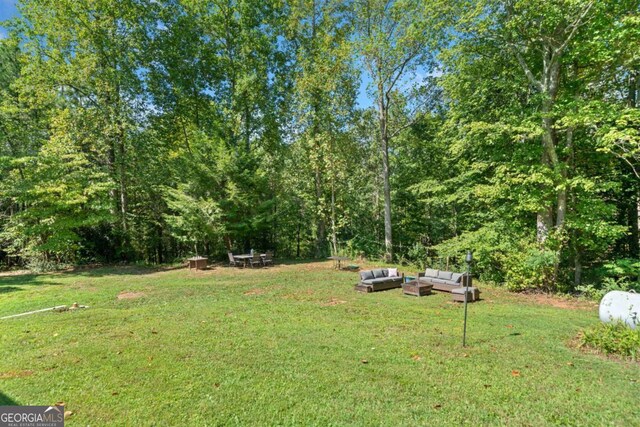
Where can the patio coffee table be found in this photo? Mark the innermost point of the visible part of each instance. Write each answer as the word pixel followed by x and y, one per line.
pixel 416 288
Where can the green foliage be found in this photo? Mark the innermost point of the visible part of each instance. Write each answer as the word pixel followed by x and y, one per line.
pixel 134 130
pixel 530 268
pixel 613 338
pixel 192 220
pixel 597 291
pixel 618 275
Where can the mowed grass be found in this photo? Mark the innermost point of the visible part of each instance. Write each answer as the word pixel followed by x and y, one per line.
pixel 295 345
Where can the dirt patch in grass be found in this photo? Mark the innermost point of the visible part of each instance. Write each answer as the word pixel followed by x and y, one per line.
pixel 15 273
pixel 567 302
pixel 256 291
pixel 302 295
pixel 559 301
pixel 15 374
pixel 130 295
pixel 332 302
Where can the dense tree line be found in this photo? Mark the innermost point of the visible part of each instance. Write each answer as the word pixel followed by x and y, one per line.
pixel 143 130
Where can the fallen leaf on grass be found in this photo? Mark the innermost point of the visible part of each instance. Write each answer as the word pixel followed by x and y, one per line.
pixel 487 385
pixel 364 361
pixel 67 414
pixel 569 363
pixel 60 404
pixel 216 385
pixel 509 326
pixel 438 406
pixel 114 393
pixel 416 357
pixel 515 373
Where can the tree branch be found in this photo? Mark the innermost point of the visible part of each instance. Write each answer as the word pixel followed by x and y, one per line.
pixel 527 71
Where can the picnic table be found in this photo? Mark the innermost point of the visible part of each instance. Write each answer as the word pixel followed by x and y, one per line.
pixel 245 257
pixel 337 260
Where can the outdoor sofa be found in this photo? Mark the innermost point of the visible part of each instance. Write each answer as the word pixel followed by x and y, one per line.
pixel 445 281
pixel 379 280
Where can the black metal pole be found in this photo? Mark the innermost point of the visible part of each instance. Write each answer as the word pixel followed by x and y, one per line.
pixel 468 259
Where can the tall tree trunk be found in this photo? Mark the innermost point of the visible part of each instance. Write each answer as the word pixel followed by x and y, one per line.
pixel 298 241
pixel 321 231
pixel 334 237
pixel 123 184
pixel 577 274
pixel 634 213
pixel 384 148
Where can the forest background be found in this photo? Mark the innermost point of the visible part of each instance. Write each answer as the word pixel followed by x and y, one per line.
pixel 152 130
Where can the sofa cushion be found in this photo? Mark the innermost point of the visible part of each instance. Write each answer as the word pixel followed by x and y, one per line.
pixel 430 272
pixel 381 280
pixel 366 275
pixel 393 272
pixel 445 275
pixel 378 273
pixel 456 277
pixel 368 281
pixel 385 272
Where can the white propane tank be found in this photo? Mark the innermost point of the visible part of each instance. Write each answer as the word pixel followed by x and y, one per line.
pixel 621 306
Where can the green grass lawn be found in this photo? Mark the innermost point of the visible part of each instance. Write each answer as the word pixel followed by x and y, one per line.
pixel 295 345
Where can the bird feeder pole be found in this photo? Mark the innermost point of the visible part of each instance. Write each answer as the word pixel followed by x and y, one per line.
pixel 468 259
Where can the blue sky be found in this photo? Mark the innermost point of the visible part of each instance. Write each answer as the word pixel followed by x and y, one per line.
pixel 8 10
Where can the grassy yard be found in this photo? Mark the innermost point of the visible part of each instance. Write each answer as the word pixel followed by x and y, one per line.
pixel 295 345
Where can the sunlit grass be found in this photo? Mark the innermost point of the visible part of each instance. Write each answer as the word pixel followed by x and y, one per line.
pixel 295 345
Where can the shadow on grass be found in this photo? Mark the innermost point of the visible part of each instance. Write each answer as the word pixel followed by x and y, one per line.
pixel 125 270
pixel 11 283
pixel 119 270
pixel 6 400
pixel 7 289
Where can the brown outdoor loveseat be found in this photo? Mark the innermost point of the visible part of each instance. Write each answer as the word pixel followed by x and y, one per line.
pixel 445 281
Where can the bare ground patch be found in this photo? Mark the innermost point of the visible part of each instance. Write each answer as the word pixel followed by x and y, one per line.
pixel 332 302
pixel 302 295
pixel 567 302
pixel 130 295
pixel 15 273
pixel 15 374
pixel 559 301
pixel 255 291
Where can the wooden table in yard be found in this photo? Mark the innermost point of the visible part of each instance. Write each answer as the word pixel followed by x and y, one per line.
pixel 415 288
pixel 246 257
pixel 337 260
pixel 198 262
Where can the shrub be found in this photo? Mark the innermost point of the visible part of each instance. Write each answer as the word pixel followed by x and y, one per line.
pixel 530 268
pixel 42 265
pixel 608 284
pixel 612 338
